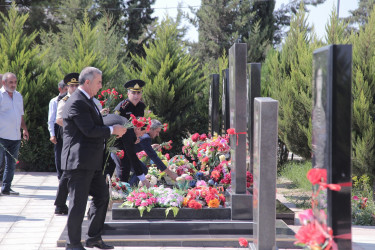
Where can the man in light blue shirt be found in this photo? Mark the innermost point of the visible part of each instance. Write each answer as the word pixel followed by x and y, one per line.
pixel 11 122
pixel 53 128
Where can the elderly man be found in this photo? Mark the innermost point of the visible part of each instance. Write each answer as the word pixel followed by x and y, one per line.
pixel 11 122
pixel 145 144
pixel 82 160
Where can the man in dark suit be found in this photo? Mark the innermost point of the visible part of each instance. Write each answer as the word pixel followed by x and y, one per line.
pixel 82 160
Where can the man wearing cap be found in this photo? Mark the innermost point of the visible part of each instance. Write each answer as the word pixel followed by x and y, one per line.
pixel 82 160
pixel 133 104
pixel 62 191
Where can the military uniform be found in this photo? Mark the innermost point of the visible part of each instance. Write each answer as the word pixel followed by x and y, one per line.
pixel 126 108
pixel 62 191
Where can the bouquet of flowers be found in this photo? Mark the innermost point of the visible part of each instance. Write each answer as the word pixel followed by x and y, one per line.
pixel 314 233
pixel 141 198
pixel 201 196
pixel 170 198
pixel 119 190
pixel 108 98
pixel 180 165
pixel 191 145
pixel 209 153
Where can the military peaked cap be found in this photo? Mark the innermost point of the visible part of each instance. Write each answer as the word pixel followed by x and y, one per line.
pixel 134 85
pixel 71 78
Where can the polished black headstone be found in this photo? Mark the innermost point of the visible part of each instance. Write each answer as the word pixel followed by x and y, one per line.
pixel 214 106
pixel 331 134
pixel 253 90
pixel 225 102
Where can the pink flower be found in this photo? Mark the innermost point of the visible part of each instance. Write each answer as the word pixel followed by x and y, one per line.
pixel 243 242
pixel 355 197
pixel 306 216
pixel 317 175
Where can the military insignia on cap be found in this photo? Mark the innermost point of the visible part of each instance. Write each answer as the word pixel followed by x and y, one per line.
pixel 134 85
pixel 71 78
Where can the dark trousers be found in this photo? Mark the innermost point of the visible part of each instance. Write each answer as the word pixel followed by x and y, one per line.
pixel 134 179
pixel 82 183
pixel 58 148
pixel 62 190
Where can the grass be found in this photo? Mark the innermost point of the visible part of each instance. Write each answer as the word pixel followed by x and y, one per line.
pixel 296 172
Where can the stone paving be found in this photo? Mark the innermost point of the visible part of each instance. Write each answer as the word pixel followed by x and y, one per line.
pixel 28 221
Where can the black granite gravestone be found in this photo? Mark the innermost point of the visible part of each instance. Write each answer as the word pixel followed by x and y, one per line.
pixel 253 90
pixel 241 199
pixel 225 102
pixel 213 107
pixel 331 134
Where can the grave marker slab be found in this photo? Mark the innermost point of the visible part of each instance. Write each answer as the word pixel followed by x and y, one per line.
pixel 265 168
pixel 225 102
pixel 213 107
pixel 331 133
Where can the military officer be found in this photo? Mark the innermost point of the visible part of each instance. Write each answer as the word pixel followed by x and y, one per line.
pixel 62 192
pixel 133 104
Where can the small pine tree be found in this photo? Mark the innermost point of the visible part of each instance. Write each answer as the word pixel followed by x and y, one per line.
pixel 18 54
pixel 174 83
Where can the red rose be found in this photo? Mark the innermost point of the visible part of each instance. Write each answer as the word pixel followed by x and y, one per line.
pixel 195 137
pixel 317 175
pixel 243 242
pixel 205 159
pixel 231 131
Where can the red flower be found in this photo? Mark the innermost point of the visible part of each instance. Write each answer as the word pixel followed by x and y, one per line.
pixel 231 131
pixel 167 156
pixel 195 137
pixel 120 154
pixel 17 162
pixel 205 159
pixel 317 175
pixel 165 125
pixel 202 137
pixel 243 242
pixel 100 97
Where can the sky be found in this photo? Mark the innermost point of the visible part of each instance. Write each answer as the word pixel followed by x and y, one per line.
pixel 318 16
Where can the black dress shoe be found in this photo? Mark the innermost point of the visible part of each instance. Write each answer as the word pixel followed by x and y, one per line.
pixel 10 192
pixel 98 244
pixel 61 210
pixel 68 247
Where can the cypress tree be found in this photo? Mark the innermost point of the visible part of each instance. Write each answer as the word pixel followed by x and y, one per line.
pixel 363 136
pixel 174 82
pixel 19 54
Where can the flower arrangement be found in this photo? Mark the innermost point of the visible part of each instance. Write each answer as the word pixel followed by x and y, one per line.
pixel 140 122
pixel 170 198
pixel 209 152
pixel 191 145
pixel 314 232
pixel 119 190
pixel 180 165
pixel 141 198
pixel 363 206
pixel 107 98
pixel 202 195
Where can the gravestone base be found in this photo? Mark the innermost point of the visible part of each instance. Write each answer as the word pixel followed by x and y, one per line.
pixel 242 206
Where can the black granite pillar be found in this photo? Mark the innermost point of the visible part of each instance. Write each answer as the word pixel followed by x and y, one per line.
pixel 331 135
pixel 253 90
pixel 240 197
pixel 213 107
pixel 225 102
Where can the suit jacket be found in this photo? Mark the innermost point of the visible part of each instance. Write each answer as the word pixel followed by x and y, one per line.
pixel 131 159
pixel 145 144
pixel 84 134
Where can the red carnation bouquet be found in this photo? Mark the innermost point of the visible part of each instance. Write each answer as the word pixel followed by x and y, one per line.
pixel 140 122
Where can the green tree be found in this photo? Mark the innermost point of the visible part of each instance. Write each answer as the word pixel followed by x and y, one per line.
pixel 18 54
pixel 360 16
pixel 288 80
pixel 221 23
pixel 174 82
pixel 363 136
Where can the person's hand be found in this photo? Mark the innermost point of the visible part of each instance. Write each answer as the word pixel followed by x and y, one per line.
pixel 171 174
pixel 119 130
pixel 53 139
pixel 25 134
pixel 104 111
pixel 146 183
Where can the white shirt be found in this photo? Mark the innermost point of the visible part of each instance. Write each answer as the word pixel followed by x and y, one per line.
pixel 52 108
pixel 11 112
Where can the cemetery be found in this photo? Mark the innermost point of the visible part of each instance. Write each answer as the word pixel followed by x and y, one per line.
pixel 226 195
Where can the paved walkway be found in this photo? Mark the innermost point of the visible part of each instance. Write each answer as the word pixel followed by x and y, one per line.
pixel 28 222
